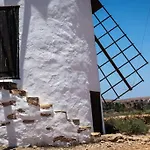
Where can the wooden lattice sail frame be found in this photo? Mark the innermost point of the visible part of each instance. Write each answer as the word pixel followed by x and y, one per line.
pixel 112 48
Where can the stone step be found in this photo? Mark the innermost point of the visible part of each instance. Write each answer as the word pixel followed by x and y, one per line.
pixel 46 106
pixel 33 101
pixel 83 128
pixel 45 114
pixel 18 92
pixel 28 121
pixel 95 134
pixel 63 112
pixel 76 121
pixel 9 103
pixel 5 123
pixel 20 110
pixel 95 137
pixel 8 85
pixel 60 111
pixel 12 116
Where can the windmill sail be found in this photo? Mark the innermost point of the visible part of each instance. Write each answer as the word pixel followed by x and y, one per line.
pixel 117 55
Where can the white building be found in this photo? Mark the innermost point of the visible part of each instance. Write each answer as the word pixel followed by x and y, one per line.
pixel 57 69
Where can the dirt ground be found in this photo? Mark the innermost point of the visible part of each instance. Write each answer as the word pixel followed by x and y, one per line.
pixel 99 146
pixel 104 142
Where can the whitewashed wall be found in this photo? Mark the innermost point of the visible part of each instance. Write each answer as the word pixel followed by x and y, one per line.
pixel 57 54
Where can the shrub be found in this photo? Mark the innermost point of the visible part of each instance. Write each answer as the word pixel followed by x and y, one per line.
pixel 127 126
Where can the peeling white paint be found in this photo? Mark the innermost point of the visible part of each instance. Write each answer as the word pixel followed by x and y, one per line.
pixel 58 65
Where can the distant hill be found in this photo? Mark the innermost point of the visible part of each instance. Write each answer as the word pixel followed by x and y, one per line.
pixel 129 104
pixel 147 98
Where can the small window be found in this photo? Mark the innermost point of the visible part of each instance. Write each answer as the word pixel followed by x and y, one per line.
pixel 9 42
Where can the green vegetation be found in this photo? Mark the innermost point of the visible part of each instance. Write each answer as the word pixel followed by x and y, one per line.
pixel 125 113
pixel 128 108
pixel 116 106
pixel 129 117
pixel 126 125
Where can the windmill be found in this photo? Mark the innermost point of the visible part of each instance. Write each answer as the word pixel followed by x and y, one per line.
pixel 48 95
pixel 116 53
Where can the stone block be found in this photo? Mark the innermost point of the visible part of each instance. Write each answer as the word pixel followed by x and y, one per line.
pixel 8 85
pixel 28 121
pixel 76 121
pixel 63 112
pixel 45 114
pixel 45 106
pixel 20 110
pixel 95 137
pixel 83 128
pixel 12 116
pixel 18 92
pixel 33 101
pixel 4 123
pixel 9 103
pixel 60 111
pixel 95 134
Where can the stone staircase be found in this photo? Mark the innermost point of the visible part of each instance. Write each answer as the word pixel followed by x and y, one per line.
pixel 36 123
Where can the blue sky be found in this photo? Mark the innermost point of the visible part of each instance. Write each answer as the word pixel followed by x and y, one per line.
pixel 133 16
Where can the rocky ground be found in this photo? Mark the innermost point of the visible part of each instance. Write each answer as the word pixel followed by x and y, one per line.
pixel 105 142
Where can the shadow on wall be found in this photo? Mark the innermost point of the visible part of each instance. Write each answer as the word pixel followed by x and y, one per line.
pixel 87 29
pixel 42 7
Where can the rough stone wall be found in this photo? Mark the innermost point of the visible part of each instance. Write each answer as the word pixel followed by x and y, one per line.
pixel 24 121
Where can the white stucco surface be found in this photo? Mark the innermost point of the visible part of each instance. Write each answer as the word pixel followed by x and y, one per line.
pixel 1 2
pixel 42 131
pixel 57 63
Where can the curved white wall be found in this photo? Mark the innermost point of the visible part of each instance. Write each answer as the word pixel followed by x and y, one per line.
pixel 57 54
pixel 57 47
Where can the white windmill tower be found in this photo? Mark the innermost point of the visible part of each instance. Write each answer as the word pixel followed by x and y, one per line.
pixel 53 62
